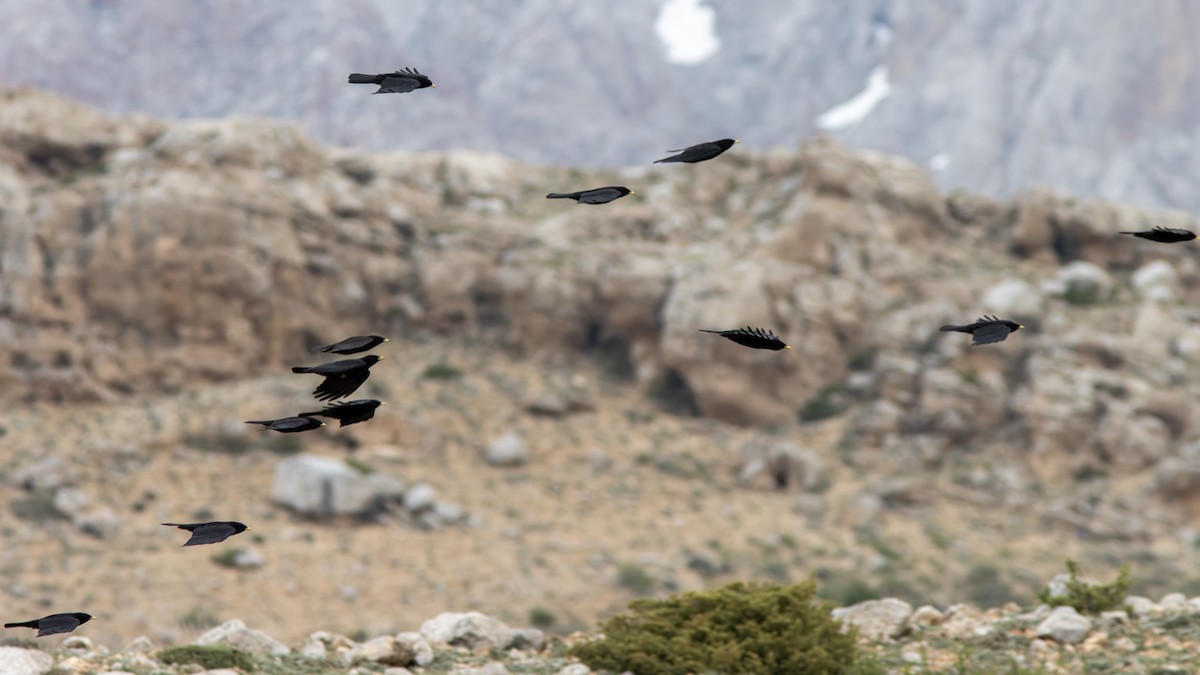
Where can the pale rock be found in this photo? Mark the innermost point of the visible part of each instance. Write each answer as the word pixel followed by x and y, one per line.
pixel 509 450
pixel 44 474
pixel 1081 282
pixel 139 645
pixel 234 633
pixel 421 649
pixel 925 615
pixel 71 664
pixel 69 501
pixel 320 487
pixel 21 661
pixel 766 462
pixel 574 669
pixel 397 671
pixel 1064 625
pixel 77 643
pixel 493 668
pixel 101 522
pixel 1140 606
pixel 528 638
pixel 1013 298
pixel 324 645
pixel 385 650
pixel 220 671
pixel 1114 617
pixel 420 497
pixel 470 629
pixel 1173 602
pixel 1156 281
pixel 248 558
pixel 964 622
pixel 876 619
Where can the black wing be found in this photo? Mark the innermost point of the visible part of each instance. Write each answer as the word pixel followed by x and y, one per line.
pixel 57 623
pixel 211 533
pixel 989 333
pixel 341 385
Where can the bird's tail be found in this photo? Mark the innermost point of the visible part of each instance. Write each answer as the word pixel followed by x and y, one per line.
pixel 1133 233
pixel 322 348
pixel 262 422
pixel 22 624
pixel 563 195
pixel 961 329
pixel 360 78
pixel 299 369
pixel 717 332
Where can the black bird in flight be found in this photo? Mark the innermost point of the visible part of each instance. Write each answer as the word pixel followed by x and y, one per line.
pixel 55 623
pixel 290 425
pixel 210 533
pixel 353 345
pixel 699 152
pixel 1165 235
pixel 754 338
pixel 602 195
pixel 342 378
pixel 350 412
pixel 399 82
pixel 986 330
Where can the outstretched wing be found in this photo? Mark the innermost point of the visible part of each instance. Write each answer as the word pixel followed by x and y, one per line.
pixel 989 333
pixel 341 385
pixel 210 534
pixel 399 83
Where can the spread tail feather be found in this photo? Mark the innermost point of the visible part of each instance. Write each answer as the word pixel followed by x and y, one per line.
pixel 360 78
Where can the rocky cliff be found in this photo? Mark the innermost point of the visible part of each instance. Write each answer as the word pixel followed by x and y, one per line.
pixel 156 278
pixel 997 97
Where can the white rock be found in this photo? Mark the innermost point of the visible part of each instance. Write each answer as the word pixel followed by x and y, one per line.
pixel 1140 606
pixel 139 645
pixel 234 633
pixel 71 664
pixel 488 669
pixel 20 661
pixel 1013 298
pixel 384 649
pixel 422 651
pixel 574 669
pixel 219 671
pixel 70 500
pixel 925 615
pixel 321 487
pixel 876 619
pixel 1065 626
pixel 1173 601
pixel 508 450
pixel 397 671
pixel 420 497
pixel 1081 281
pixel 469 629
pixel 248 558
pixel 77 643
pixel 1156 280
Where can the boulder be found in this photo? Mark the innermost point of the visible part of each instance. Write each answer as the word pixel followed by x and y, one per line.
pixel 876 619
pixel 234 633
pixel 1064 625
pixel 320 488
pixel 21 661
pixel 419 646
pixel 509 450
pixel 469 629
pixel 385 650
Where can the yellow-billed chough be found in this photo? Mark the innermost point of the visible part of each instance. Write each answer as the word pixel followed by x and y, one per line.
pixel 350 412
pixel 55 623
pixel 353 345
pixel 1165 235
pixel 986 329
pixel 210 533
pixel 342 378
pixel 755 338
pixel 602 195
pixel 289 425
pixel 399 82
pixel 699 152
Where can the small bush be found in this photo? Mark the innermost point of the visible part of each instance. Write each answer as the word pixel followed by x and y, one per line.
pixel 829 403
pixel 1090 598
pixel 540 617
pixel 209 657
pixel 227 558
pixel 635 577
pixel 751 629
pixel 442 371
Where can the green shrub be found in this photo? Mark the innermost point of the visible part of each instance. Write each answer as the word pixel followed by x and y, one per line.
pixel 830 402
pixel 540 617
pixel 1090 598
pixel 442 371
pixel 227 558
pixel 209 657
pixel 751 629
pixel 635 577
